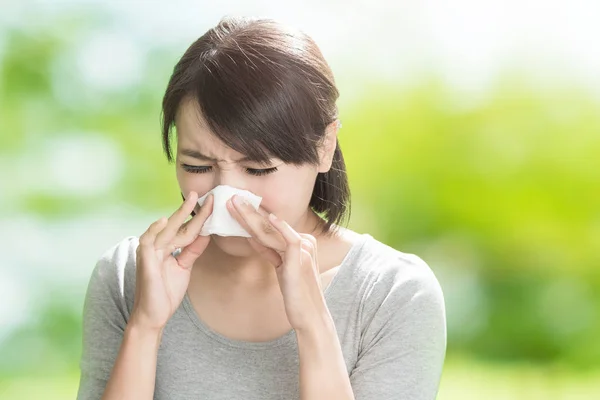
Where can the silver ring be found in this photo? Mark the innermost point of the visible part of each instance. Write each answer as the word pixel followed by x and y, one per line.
pixel 176 252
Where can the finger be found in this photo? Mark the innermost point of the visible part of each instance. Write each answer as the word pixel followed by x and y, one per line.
pixel 260 210
pixel 269 254
pixel 244 203
pixel 309 243
pixel 306 257
pixel 307 261
pixel 236 215
pixel 247 215
pixel 310 238
pixel 293 250
pixel 187 232
pixel 256 224
pixel 190 253
pixel 148 237
pixel 308 247
pixel 288 233
pixel 176 220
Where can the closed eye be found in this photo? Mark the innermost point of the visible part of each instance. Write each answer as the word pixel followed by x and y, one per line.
pixel 195 169
pixel 204 169
pixel 259 172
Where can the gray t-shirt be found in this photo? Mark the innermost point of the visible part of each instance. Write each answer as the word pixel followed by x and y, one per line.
pixel 387 306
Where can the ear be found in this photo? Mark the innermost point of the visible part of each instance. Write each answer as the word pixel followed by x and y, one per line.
pixel 327 148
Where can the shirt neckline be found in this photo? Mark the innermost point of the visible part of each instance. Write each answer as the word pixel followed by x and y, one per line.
pixel 288 337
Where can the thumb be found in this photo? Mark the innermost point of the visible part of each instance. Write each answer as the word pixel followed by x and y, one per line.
pixel 192 251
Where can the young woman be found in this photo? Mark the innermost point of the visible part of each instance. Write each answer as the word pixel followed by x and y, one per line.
pixel 304 309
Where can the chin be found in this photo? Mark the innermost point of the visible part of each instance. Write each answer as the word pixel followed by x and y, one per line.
pixel 233 245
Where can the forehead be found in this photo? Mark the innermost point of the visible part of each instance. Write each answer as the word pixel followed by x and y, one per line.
pixel 193 131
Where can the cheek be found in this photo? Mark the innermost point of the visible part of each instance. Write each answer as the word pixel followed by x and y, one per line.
pixel 196 182
pixel 289 197
pixel 188 182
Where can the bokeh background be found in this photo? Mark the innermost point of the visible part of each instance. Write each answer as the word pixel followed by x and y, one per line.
pixel 471 131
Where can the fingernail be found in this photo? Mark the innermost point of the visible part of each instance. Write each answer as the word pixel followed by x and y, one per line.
pixel 239 200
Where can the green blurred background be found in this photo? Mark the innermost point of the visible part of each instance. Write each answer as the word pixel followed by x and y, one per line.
pixel 471 133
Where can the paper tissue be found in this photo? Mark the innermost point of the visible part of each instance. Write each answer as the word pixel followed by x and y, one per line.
pixel 221 222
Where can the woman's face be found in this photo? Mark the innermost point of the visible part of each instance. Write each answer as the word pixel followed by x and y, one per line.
pixel 204 162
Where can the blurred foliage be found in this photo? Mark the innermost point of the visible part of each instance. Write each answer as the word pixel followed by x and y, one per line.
pixel 508 192
pixel 500 196
pixel 52 338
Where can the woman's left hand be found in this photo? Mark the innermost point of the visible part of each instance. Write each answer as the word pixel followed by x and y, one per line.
pixel 294 256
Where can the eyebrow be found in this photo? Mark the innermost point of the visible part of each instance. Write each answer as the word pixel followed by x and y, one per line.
pixel 196 154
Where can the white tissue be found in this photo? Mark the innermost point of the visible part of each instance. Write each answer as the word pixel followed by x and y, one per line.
pixel 221 222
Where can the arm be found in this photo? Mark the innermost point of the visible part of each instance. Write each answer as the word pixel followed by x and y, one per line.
pixel 110 339
pixel 135 369
pixel 323 372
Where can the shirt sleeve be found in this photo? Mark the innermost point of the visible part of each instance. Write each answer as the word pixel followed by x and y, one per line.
pixel 105 316
pixel 403 345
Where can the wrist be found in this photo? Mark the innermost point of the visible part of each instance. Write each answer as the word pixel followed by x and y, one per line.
pixel 140 324
pixel 323 326
pixel 143 332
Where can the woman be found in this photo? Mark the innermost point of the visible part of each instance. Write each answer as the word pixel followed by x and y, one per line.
pixel 304 309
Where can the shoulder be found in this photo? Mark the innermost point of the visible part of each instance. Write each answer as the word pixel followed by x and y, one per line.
pixel 395 267
pixel 400 283
pixel 118 261
pixel 113 277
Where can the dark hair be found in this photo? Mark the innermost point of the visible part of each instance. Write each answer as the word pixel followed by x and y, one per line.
pixel 265 90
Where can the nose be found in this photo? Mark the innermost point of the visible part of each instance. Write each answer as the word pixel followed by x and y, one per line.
pixel 231 176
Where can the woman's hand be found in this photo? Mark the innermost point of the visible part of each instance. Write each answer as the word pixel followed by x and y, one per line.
pixel 294 256
pixel 161 278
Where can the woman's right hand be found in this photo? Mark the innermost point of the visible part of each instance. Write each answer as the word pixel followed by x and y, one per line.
pixel 161 278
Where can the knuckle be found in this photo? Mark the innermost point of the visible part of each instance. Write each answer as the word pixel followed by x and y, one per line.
pixel 309 237
pixel 183 229
pixel 154 226
pixel 144 240
pixel 307 240
pixel 266 227
pixel 306 245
